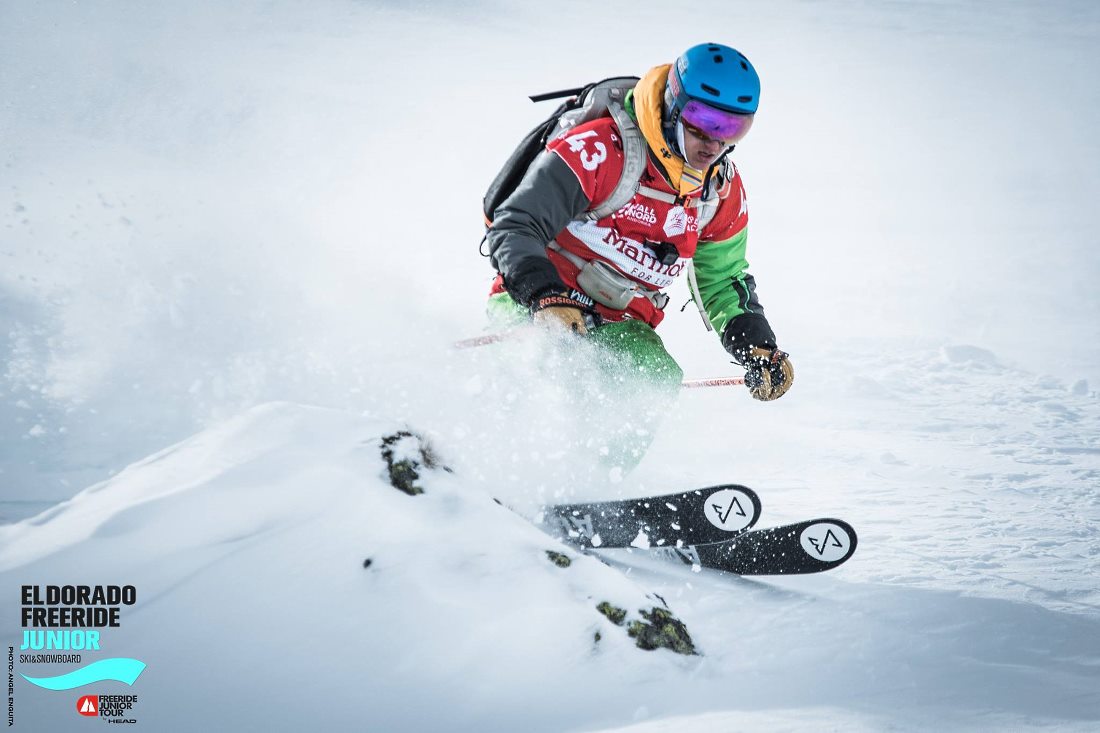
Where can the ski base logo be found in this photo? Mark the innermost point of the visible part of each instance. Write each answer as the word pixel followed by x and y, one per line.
pixel 112 708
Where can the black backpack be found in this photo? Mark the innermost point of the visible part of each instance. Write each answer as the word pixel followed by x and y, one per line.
pixel 588 103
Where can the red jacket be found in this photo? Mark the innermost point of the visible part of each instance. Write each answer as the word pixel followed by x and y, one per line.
pixel 594 154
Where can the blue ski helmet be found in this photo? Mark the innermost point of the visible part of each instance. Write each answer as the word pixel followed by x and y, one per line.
pixel 716 75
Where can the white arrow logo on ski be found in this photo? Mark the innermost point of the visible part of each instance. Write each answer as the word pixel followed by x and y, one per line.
pixel 726 510
pixel 825 541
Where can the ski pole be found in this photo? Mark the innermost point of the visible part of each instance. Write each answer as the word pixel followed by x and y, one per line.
pixel 489 338
pixel 713 382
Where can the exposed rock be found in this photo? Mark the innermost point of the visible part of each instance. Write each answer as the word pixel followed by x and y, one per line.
pixel 657 629
pixel 562 561
pixel 614 614
pixel 405 453
pixel 661 630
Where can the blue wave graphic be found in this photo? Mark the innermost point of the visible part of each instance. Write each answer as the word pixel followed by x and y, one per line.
pixel 120 669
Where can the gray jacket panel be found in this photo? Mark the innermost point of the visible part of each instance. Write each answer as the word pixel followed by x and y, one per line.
pixel 546 200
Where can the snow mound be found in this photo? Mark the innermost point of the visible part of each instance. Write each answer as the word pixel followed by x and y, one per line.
pixel 278 535
pixel 974 356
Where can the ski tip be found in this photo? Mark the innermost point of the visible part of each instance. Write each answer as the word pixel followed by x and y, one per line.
pixel 828 541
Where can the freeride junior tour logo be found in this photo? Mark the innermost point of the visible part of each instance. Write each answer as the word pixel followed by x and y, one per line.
pixel 88 705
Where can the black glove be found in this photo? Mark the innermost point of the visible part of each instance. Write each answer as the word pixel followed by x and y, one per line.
pixel 751 342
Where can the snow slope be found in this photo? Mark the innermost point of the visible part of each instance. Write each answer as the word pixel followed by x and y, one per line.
pixel 247 543
pixel 212 231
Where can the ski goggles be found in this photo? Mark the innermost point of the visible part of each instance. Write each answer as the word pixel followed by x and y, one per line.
pixel 703 120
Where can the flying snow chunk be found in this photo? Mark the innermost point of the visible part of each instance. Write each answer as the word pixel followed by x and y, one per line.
pixel 641 541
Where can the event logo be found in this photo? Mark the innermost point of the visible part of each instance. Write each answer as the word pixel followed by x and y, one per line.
pixel 61 624
pixel 676 221
pixel 112 708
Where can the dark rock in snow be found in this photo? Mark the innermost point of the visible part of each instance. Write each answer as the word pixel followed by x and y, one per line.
pixel 661 630
pixel 658 629
pixel 405 453
pixel 614 614
pixel 562 561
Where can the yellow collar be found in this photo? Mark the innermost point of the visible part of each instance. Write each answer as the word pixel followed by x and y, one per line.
pixel 648 102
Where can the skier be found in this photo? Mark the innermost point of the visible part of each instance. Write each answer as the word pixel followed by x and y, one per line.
pixel 603 277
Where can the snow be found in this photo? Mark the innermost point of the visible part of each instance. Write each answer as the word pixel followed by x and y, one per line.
pixel 222 282
pixel 250 541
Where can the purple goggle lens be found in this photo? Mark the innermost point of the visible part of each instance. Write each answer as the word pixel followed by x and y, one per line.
pixel 716 123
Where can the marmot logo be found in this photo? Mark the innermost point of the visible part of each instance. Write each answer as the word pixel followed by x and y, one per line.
pixel 640 213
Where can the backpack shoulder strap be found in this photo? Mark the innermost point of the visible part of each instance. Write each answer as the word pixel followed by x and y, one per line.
pixel 634 159
pixel 634 165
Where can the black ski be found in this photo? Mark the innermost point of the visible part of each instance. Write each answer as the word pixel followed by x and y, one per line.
pixel 793 549
pixel 715 514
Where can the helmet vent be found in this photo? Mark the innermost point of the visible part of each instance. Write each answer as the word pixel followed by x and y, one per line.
pixel 710 90
pixel 717 58
pixel 744 66
pixel 744 99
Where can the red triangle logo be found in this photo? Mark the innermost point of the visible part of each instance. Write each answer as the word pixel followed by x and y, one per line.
pixel 88 705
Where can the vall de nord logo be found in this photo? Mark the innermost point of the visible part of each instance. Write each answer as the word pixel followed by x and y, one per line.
pixel 88 705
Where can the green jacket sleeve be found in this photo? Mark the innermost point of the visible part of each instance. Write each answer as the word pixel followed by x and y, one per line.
pixel 725 285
